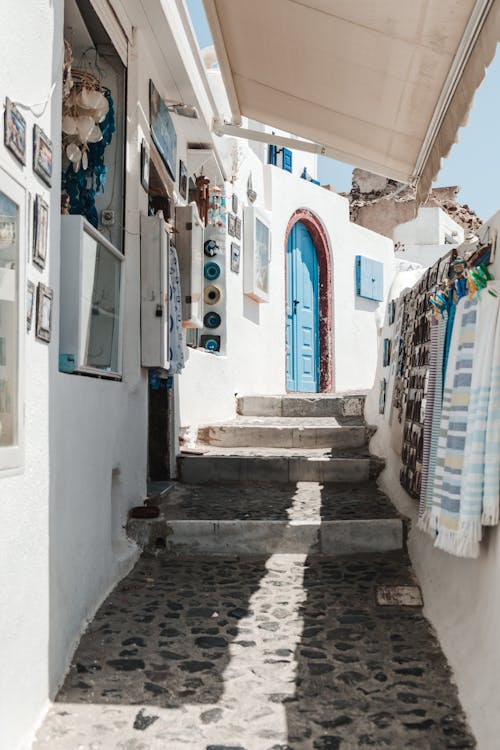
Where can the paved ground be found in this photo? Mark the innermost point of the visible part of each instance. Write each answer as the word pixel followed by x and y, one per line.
pixel 304 501
pixel 284 653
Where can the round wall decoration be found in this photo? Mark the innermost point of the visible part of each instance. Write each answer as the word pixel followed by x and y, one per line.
pixel 211 271
pixel 211 295
pixel 212 320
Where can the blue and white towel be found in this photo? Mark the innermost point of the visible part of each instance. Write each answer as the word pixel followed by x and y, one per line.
pixel 458 528
pixel 175 338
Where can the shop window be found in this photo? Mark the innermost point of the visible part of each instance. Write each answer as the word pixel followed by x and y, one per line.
pixel 11 304
pixel 91 291
pixel 93 127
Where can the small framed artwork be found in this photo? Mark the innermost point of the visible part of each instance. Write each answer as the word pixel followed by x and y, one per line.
pixel 30 303
pixel 145 159
pixel 15 131
pixel 386 361
pixel 40 231
pixel 381 396
pixel 42 155
pixel 235 257
pixel 231 224
pixel 44 312
pixel 237 228
pixel 257 253
pixel 234 203
pixel 183 179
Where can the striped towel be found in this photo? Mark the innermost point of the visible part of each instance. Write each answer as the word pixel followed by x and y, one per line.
pixel 458 532
pixel 481 476
pixel 434 400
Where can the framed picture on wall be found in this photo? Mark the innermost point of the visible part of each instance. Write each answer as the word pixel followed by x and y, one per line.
pixel 183 179
pixel 257 254
pixel 145 161
pixel 231 224
pixel 235 257
pixel 42 155
pixel 162 129
pixel 234 203
pixel 44 299
pixel 40 231
pixel 15 131
pixel 237 228
pixel 30 303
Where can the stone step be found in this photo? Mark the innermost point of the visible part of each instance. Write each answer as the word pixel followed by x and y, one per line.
pixel 268 518
pixel 310 405
pixel 266 465
pixel 269 432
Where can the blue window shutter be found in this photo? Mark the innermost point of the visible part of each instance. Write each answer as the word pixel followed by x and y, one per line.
pixel 287 160
pixel 369 278
pixel 272 154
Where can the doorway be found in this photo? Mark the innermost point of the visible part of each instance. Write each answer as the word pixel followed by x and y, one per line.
pixel 302 312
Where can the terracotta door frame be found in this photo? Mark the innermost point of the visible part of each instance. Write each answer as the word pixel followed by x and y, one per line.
pixel 320 241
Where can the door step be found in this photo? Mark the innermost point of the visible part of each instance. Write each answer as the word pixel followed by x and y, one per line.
pixel 284 432
pixel 271 465
pixel 305 518
pixel 311 405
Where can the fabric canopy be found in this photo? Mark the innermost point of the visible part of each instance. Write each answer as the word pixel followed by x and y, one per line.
pixel 382 84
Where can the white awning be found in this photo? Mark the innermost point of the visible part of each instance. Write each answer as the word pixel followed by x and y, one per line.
pixel 382 84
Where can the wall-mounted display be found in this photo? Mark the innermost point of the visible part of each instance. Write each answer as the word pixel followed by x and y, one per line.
pixel 44 312
pixel 211 248
pixel 42 155
pixel 211 295
pixel 15 131
pixel 183 179
pixel 381 396
pixel 30 303
pixel 257 254
pixel 162 129
pixel 386 360
pixel 210 343
pixel 40 231
pixel 212 320
pixel 145 164
pixel 211 271
pixel 234 203
pixel 231 224
pixel 237 228
pixel 235 257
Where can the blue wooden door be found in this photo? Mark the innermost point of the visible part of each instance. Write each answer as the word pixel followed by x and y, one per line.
pixel 302 318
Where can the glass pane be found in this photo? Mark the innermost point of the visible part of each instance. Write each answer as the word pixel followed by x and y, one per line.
pixel 261 255
pixel 100 306
pixel 9 314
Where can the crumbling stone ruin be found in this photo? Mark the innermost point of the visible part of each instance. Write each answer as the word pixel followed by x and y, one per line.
pixel 380 204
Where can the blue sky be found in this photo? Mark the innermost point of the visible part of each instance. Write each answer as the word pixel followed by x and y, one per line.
pixel 473 161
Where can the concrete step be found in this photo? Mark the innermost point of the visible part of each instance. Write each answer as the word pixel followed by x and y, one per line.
pixel 301 405
pixel 268 465
pixel 266 518
pixel 276 432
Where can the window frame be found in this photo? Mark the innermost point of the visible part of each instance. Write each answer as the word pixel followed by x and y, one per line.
pixel 12 457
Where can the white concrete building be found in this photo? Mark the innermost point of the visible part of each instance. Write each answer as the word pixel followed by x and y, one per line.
pixel 427 237
pixel 75 424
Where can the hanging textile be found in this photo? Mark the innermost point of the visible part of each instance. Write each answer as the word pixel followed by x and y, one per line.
pixel 176 353
pixel 434 401
pixel 481 478
pixel 458 527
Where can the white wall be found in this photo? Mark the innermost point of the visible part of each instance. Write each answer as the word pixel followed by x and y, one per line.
pixel 462 597
pixel 255 361
pixel 30 60
pixel 430 227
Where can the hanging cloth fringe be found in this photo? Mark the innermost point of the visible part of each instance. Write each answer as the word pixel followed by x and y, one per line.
pixel 176 354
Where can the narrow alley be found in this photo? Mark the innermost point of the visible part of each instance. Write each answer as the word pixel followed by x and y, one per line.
pixel 242 627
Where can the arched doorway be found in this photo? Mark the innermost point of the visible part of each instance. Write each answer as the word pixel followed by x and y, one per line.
pixel 309 364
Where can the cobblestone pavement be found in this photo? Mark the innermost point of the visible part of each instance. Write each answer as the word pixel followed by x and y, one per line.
pixel 284 653
pixel 304 501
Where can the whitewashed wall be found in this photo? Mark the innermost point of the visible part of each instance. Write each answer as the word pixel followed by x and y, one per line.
pixel 30 59
pixel 255 361
pixel 461 597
